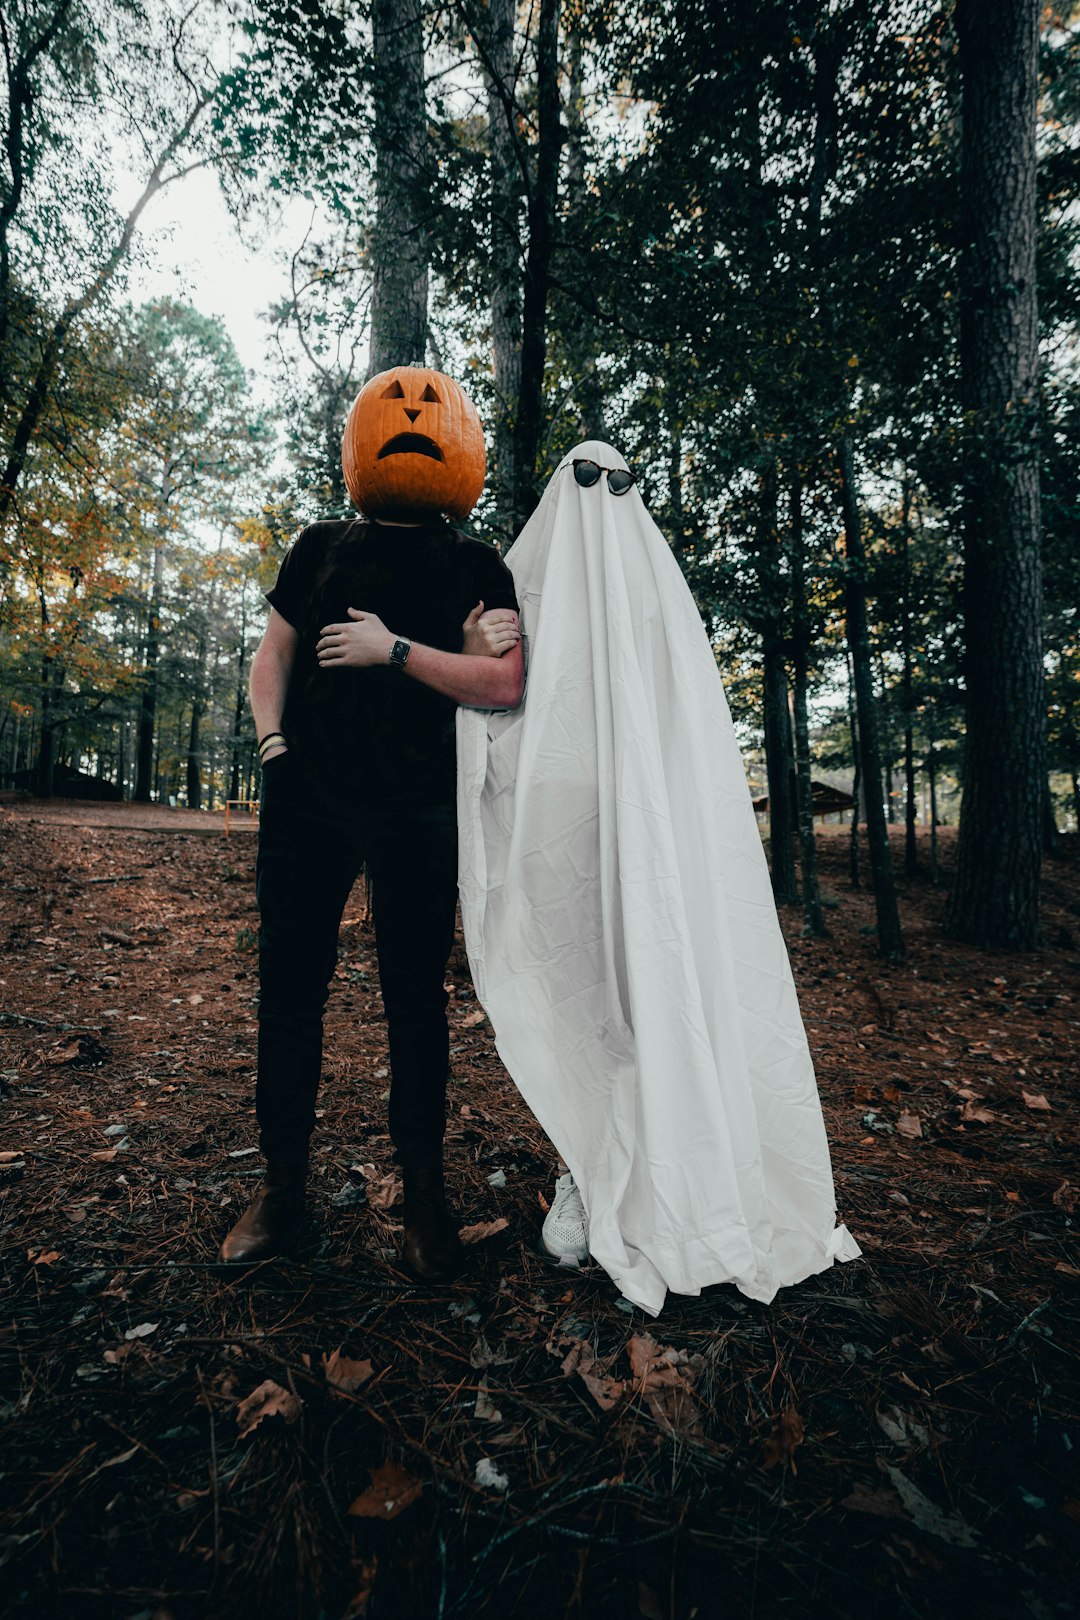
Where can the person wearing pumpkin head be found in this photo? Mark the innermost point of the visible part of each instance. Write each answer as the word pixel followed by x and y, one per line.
pixel 354 690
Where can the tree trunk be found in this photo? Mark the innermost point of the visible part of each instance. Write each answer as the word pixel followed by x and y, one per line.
pixel 399 294
pixel 931 771
pixel 528 424
pixel 995 898
pixel 579 327
pixel 194 762
pixel 911 848
pixel 506 187
pixel 813 916
pixel 856 780
pixel 890 937
pixel 144 759
pixel 777 721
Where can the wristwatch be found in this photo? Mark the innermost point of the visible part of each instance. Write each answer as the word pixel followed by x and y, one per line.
pixel 399 652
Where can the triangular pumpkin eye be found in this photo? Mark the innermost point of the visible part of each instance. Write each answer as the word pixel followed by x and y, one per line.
pixel 430 396
pixel 394 391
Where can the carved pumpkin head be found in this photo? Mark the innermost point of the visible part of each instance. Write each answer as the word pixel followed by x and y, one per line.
pixel 413 444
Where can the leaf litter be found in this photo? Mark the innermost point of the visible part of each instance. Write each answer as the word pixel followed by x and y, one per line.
pixel 895 1432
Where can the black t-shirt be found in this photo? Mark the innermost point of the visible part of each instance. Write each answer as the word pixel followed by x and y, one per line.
pixel 378 736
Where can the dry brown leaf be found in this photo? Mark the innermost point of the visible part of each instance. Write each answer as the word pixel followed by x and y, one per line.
pixel 391 1491
pixel 384 1193
pixel 781 1441
pixel 971 1112
pixel 268 1400
pixel 343 1374
pixel 472 1019
pixel 580 1359
pixel 665 1377
pixel 10 1158
pixel 42 1257
pixel 64 1054
pixel 909 1125
pixel 1036 1100
pixel 1067 1270
pixel 1065 1197
pixel 882 1501
pixel 105 1155
pixel 482 1230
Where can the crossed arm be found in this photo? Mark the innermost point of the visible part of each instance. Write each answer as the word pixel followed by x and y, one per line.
pixel 488 673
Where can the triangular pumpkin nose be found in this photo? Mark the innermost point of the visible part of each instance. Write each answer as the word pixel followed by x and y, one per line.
pixel 412 415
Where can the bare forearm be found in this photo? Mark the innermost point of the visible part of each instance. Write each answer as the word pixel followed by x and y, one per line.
pixel 267 690
pixel 480 682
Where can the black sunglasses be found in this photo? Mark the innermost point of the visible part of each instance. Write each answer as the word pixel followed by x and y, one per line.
pixel 588 473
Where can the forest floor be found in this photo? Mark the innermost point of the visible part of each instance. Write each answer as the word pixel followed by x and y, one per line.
pixel 325 1438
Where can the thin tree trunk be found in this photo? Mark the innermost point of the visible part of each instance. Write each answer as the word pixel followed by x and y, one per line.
pixel 995 898
pixel 529 420
pixel 931 769
pixel 144 766
pixel 505 262
pixel 813 916
pixel 579 324
pixel 399 294
pixel 777 722
pixel 856 780
pixel 911 848
pixel 890 937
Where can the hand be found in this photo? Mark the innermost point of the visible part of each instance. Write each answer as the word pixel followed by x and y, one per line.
pixel 357 645
pixel 489 635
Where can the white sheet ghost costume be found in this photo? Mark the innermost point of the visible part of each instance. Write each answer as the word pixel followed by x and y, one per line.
pixel 620 922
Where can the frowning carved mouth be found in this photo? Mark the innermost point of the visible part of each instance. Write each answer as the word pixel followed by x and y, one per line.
pixel 415 444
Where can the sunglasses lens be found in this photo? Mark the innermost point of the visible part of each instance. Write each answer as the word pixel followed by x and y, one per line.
pixel 619 481
pixel 586 473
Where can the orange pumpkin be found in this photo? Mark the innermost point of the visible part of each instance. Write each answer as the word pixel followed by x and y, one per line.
pixel 413 444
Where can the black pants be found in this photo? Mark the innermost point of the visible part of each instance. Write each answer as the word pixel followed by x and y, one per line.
pixel 311 848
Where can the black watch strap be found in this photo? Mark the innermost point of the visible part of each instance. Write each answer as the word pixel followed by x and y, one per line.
pixel 399 652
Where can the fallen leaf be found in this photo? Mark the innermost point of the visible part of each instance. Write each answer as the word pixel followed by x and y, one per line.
pixel 485 1406
pixel 385 1192
pixel 865 1499
pixel 482 1230
pixel 116 1357
pixel 10 1158
pixel 42 1257
pixel 665 1377
pixel 343 1374
pixel 1067 1270
pixel 973 1113
pixel 391 1491
pixel 64 1054
pixel 268 1400
pixel 780 1443
pixel 472 1019
pixel 105 1155
pixel 1065 1197
pixel 909 1125
pixel 488 1475
pixel 143 1331
pixel 1036 1100
pixel 927 1516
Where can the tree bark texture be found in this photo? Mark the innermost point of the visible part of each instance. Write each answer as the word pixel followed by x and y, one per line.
pixel 528 425
pixel 995 899
pixel 890 937
pixel 144 757
pixel 769 616
pixel 813 916
pixel 506 151
pixel 399 294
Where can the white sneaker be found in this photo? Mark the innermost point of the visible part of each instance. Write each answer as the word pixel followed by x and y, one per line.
pixel 565 1233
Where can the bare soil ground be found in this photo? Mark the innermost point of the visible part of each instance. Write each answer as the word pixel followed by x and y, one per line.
pixel 898 1436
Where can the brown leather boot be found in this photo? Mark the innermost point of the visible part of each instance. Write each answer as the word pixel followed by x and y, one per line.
pixel 269 1225
pixel 433 1250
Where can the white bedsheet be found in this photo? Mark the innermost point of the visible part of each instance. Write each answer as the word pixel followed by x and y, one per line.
pixel 620 923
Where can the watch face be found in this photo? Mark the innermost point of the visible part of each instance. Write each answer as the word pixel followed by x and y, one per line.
pixel 399 652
